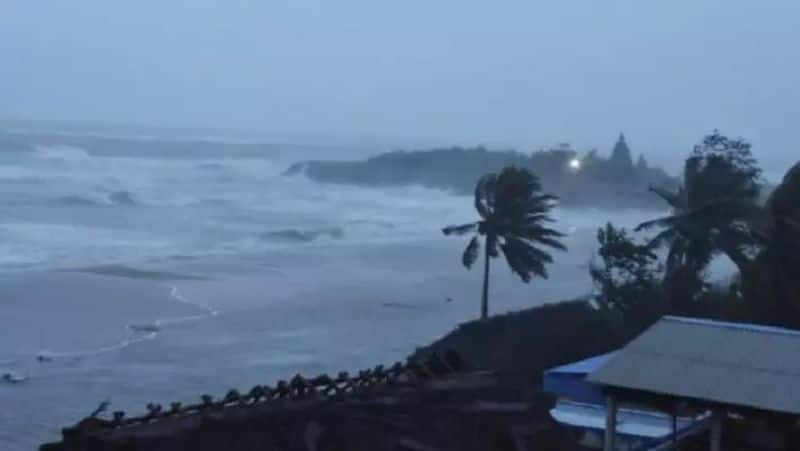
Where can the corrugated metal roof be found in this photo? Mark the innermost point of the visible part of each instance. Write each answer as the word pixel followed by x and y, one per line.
pixel 737 364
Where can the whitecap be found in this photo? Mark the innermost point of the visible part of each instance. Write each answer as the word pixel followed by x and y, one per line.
pixel 61 152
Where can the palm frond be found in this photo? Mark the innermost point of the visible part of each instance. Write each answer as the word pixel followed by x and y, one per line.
pixel 699 253
pixel 673 199
pixel 555 244
pixel 525 260
pixel 540 230
pixel 471 252
pixel 484 195
pixel 666 221
pixel 538 217
pixel 529 230
pixel 794 226
pixel 666 236
pixel 547 201
pixel 723 211
pixel 676 254
pixel 462 229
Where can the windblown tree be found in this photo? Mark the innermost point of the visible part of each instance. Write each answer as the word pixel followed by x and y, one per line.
pixel 773 284
pixel 721 185
pixel 627 278
pixel 513 217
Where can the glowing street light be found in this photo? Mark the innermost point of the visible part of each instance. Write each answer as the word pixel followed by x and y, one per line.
pixel 575 164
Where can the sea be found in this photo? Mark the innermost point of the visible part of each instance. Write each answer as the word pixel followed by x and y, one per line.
pixel 142 276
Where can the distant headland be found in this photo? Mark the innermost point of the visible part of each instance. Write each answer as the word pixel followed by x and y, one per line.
pixel 578 179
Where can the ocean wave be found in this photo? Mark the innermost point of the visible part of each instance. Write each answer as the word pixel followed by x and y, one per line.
pixel 302 235
pixel 373 222
pixel 133 273
pixel 78 201
pixel 351 228
pixel 61 153
pixel 122 198
pixel 116 198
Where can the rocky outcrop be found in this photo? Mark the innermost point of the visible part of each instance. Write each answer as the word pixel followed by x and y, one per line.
pixel 586 181
pixel 547 336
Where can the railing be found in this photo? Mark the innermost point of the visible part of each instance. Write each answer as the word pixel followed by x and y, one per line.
pixel 668 442
pixel 298 388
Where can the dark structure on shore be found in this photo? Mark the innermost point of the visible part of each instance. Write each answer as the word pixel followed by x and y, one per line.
pixel 432 405
pixel 578 179
pixel 741 378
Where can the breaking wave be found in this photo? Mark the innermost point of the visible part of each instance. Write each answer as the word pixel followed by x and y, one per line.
pixel 353 228
pixel 302 235
pixel 61 153
pixel 116 198
pixel 134 273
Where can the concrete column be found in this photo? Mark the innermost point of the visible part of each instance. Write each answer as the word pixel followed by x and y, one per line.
pixel 610 438
pixel 716 431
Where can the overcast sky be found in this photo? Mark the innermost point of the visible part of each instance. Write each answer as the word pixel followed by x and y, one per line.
pixel 525 72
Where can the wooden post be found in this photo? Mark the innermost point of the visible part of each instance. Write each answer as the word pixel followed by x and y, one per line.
pixel 674 428
pixel 610 438
pixel 716 431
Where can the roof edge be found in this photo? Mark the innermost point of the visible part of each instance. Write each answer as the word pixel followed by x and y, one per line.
pixel 759 328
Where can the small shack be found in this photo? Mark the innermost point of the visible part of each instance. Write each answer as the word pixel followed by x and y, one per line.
pixel 745 378
pixel 580 406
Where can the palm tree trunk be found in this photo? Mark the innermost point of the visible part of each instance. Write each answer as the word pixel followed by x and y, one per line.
pixel 485 298
pixel 780 281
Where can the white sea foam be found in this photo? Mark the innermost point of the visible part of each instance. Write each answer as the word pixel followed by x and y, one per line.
pixel 61 152
pixel 133 338
pixel 135 332
pixel 193 208
pixel 175 294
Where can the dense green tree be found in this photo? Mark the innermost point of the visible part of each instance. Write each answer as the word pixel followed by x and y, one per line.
pixel 513 216
pixel 627 277
pixel 710 213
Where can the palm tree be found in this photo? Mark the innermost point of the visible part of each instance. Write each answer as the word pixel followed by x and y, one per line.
pixel 778 232
pixel 513 212
pixel 710 212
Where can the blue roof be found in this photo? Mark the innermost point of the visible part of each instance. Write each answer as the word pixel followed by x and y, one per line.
pixel 583 366
pixel 569 381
